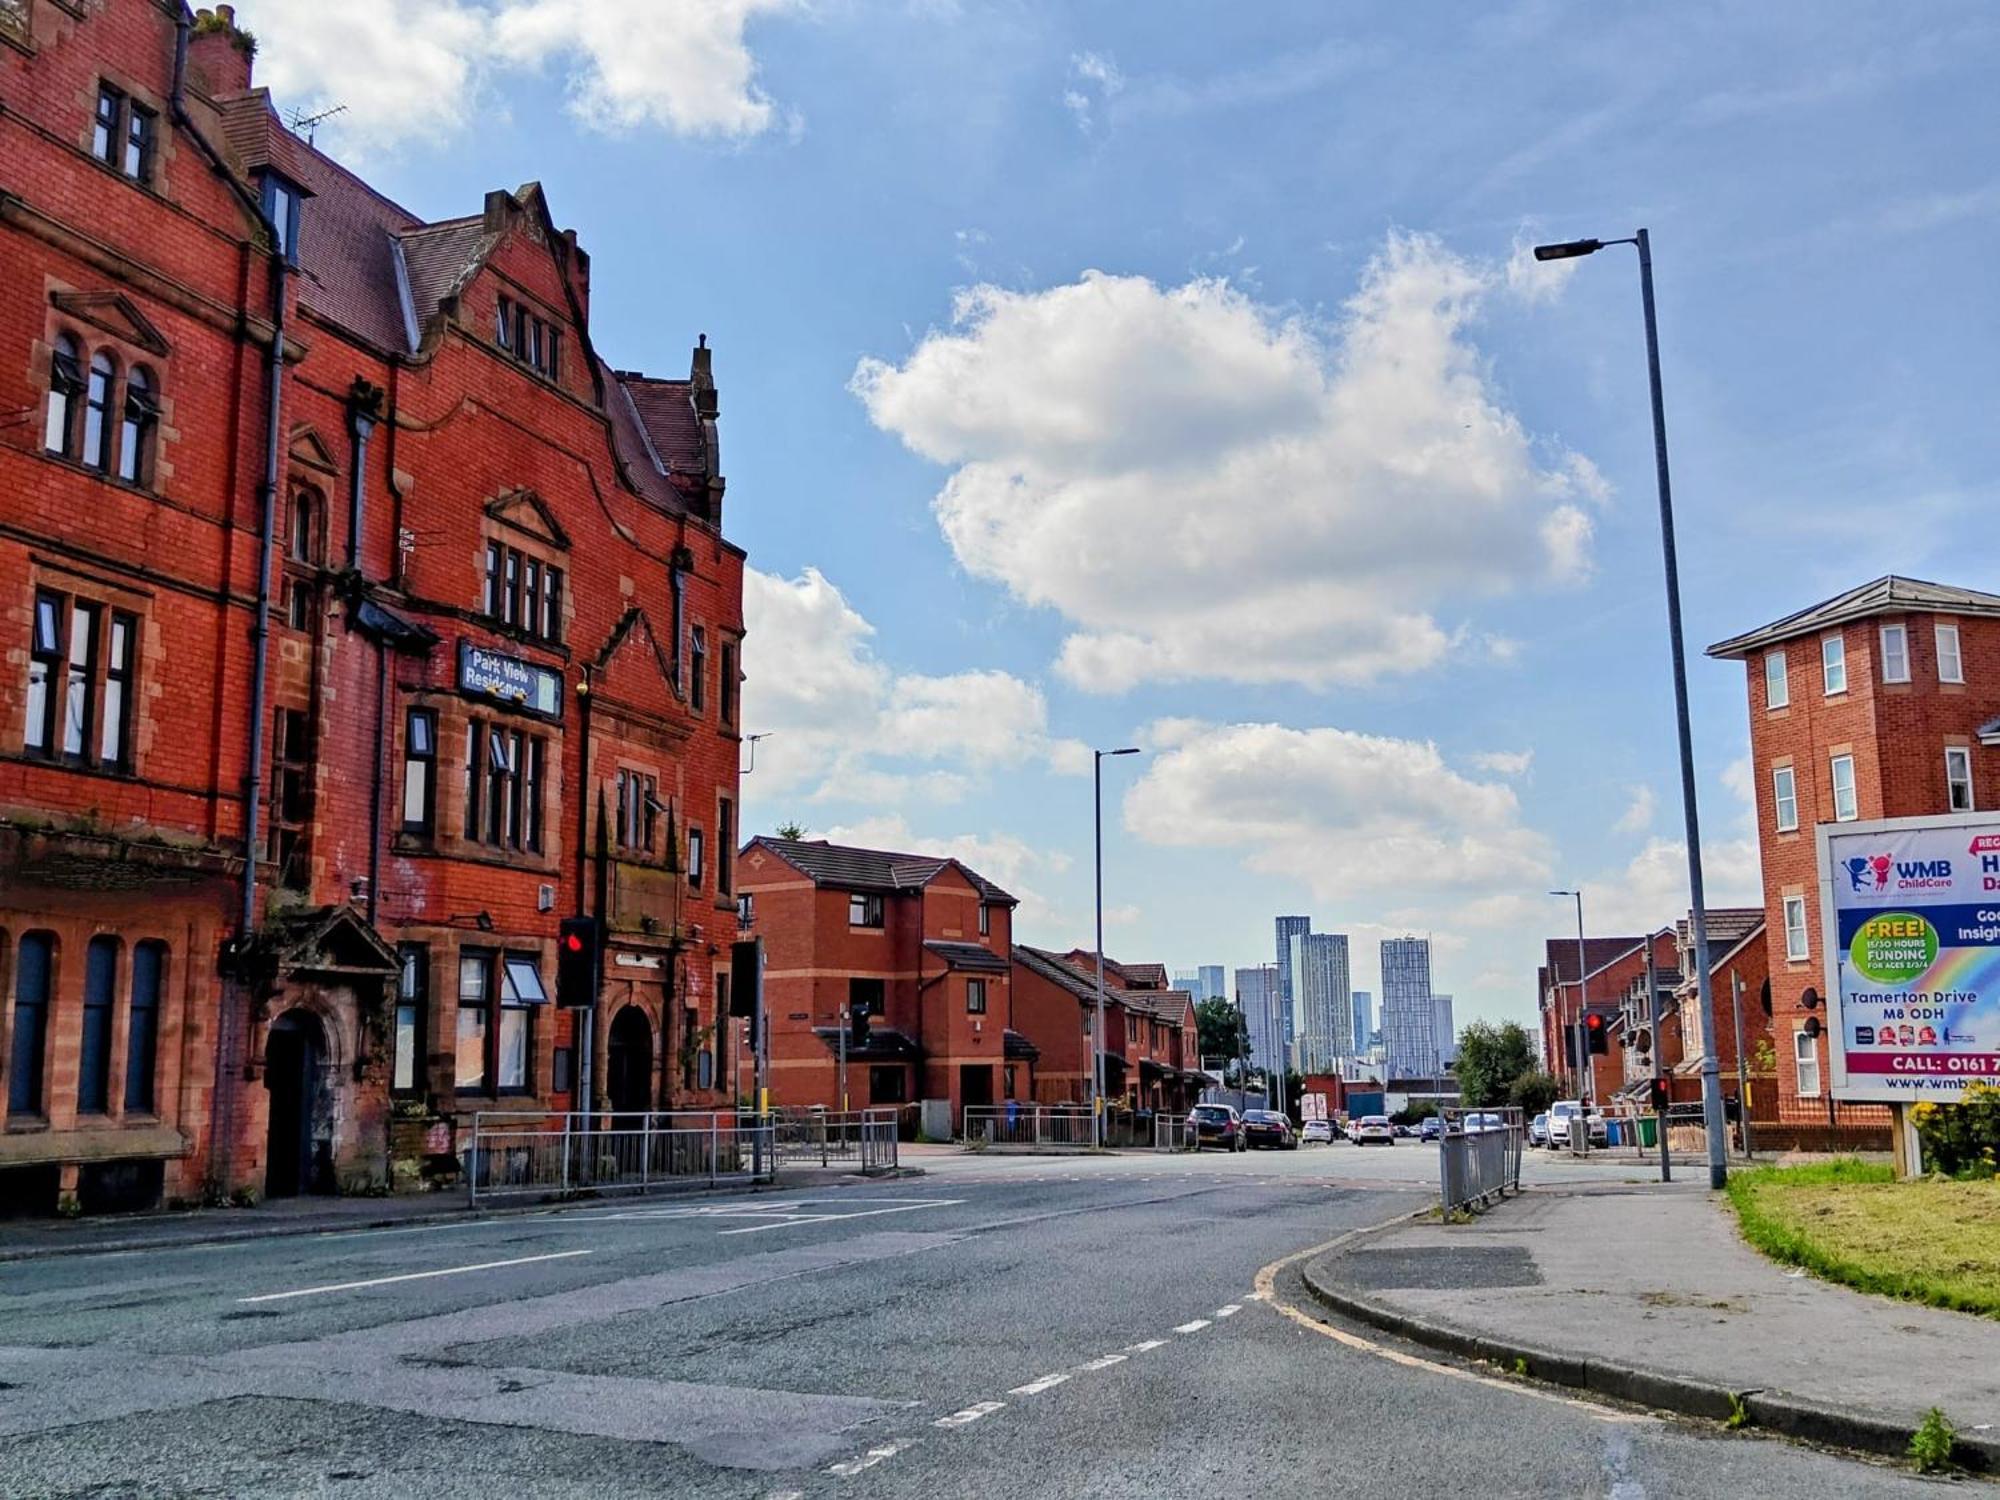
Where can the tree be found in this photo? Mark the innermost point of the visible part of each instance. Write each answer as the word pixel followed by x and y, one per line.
pixel 793 830
pixel 1533 1092
pixel 1224 1032
pixel 1490 1058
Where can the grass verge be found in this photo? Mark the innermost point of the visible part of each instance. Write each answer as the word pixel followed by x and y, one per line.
pixel 1849 1221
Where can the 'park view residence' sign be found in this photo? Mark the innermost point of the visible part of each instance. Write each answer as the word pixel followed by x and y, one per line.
pixel 520 684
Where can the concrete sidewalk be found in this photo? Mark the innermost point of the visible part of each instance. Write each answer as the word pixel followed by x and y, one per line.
pixel 1646 1293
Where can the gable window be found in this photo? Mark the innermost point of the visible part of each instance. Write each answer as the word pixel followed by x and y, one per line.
pixel 1895 654
pixel 1951 665
pixel 1805 1052
pixel 698 660
pixel 864 910
pixel 1795 929
pixel 695 843
pixel 726 686
pixel 1785 799
pixel 975 997
pixel 638 807
pixel 139 132
pixel 420 772
pixel 522 592
pixel 97 410
pixel 141 416
pixel 27 1057
pixel 1845 809
pixel 121 134
pixel 525 336
pixel 284 205
pixel 65 385
pixel 1777 680
pixel 413 974
pixel 985 920
pixel 142 1025
pixel 1833 664
pixel 104 134
pixel 725 844
pixel 1958 777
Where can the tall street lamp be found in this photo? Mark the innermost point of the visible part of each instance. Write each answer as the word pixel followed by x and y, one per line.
pixel 1097 1031
pixel 1711 1071
pixel 1580 1067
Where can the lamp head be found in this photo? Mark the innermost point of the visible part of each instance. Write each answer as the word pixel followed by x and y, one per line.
pixel 1568 249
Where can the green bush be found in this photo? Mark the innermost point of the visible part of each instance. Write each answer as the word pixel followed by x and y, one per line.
pixel 1962 1139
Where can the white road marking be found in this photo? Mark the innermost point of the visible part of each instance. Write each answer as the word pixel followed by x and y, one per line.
pixel 871 1458
pixel 1036 1387
pixel 1195 1327
pixel 1142 1348
pixel 868 1213
pixel 970 1414
pixel 1230 1311
pixel 355 1286
pixel 1102 1362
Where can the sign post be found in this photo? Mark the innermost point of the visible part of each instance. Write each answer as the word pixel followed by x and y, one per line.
pixel 1910 930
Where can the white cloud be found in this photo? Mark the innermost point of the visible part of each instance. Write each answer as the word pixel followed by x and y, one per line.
pixel 1208 488
pixel 416 69
pixel 845 727
pixel 1502 762
pixel 1094 78
pixel 1012 863
pixel 1536 281
pixel 1638 814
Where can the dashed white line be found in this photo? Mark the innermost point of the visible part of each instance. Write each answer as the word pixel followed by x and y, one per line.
pixel 970 1415
pixel 871 1458
pixel 355 1286
pixel 1195 1327
pixel 1230 1311
pixel 1102 1362
pixel 1036 1387
pixel 1148 1344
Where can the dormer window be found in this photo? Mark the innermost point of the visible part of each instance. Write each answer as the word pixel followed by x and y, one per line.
pixel 283 205
pixel 522 593
pixel 530 340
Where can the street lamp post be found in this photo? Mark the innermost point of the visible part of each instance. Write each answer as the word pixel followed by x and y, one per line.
pixel 1711 1072
pixel 1097 1031
pixel 1579 1039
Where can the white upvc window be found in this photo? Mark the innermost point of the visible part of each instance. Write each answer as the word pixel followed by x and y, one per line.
pixel 1958 777
pixel 1795 929
pixel 1845 808
pixel 1806 1051
pixel 1895 653
pixel 1785 798
pixel 1951 665
pixel 1833 663
pixel 1777 680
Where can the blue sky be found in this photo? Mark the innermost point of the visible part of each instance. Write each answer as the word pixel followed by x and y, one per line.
pixel 1173 375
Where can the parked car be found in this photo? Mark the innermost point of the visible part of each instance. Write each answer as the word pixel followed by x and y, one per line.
pixel 1216 1125
pixel 1563 1113
pixel 1317 1131
pixel 1266 1127
pixel 1538 1130
pixel 1430 1129
pixel 1480 1122
pixel 1372 1128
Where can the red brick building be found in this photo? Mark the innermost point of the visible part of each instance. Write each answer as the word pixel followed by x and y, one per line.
pixel 1882 702
pixel 1612 967
pixel 918 943
pixel 1152 1053
pixel 359 622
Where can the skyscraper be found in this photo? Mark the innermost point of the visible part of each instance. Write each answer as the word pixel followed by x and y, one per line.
pixel 1364 1021
pixel 1189 980
pixel 1288 928
pixel 1211 977
pixel 1409 1014
pixel 1322 1006
pixel 1257 996
pixel 1447 1034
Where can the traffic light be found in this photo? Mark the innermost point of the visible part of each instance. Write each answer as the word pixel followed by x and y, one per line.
pixel 746 976
pixel 1658 1095
pixel 1596 1032
pixel 857 1023
pixel 579 943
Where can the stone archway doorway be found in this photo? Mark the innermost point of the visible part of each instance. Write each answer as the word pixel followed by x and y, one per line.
pixel 297 1157
pixel 628 1066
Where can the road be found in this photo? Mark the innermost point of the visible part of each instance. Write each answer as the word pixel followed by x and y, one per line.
pixel 1110 1327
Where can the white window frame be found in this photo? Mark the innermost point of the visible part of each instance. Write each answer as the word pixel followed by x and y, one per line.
pixel 1806 1058
pixel 1961 755
pixel 1785 795
pixel 1853 809
pixel 1801 950
pixel 1778 687
pixel 1833 664
pixel 1896 660
pixel 1948 631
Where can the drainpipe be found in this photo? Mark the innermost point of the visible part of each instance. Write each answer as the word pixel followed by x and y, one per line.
pixel 375 790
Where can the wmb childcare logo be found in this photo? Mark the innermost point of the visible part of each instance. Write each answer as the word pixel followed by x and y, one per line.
pixel 1881 874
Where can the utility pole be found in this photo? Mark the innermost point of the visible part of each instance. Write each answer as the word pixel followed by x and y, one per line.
pixel 1742 1076
pixel 1659 1072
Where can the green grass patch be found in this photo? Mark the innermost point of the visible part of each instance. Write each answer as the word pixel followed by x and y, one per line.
pixel 1934 1241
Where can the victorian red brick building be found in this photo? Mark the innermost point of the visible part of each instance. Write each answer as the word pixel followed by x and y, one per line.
pixel 359 622
pixel 1881 702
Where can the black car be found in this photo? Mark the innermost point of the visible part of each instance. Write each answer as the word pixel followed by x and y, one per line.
pixel 1266 1127
pixel 1216 1125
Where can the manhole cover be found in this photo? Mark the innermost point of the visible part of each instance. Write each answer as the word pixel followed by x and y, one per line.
pixel 1441 1268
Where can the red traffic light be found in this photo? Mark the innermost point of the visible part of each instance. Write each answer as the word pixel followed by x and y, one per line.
pixel 572 942
pixel 1595 1023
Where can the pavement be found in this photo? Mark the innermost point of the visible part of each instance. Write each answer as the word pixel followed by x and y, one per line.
pixel 1125 1326
pixel 1645 1292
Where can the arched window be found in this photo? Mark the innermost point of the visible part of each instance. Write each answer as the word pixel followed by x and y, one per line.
pixel 305 527
pixel 33 978
pixel 135 430
pixel 65 385
pixel 97 410
pixel 142 1032
pixel 100 985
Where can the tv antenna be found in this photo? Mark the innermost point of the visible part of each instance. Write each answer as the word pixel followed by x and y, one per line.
pixel 307 125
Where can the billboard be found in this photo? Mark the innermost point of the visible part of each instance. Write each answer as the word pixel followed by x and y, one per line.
pixel 1910 927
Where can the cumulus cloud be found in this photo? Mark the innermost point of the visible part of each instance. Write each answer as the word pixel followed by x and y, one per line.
pixel 1638 814
pixel 1094 79
pixel 1502 762
pixel 1206 487
pixel 845 727
pixel 1012 863
pixel 416 69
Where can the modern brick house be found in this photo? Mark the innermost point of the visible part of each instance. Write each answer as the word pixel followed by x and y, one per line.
pixel 1881 702
pixel 920 943
pixel 1612 967
pixel 358 622
pixel 1152 1045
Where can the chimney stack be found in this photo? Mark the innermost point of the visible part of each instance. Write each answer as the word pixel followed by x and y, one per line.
pixel 220 52
pixel 702 377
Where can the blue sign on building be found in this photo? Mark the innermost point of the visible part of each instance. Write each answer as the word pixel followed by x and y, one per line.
pixel 519 684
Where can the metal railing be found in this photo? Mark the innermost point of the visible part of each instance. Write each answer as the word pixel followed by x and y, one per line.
pixel 1479 1156
pixel 866 1137
pixel 537 1154
pixel 1066 1127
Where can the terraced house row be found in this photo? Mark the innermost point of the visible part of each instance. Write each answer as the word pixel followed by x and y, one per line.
pixel 357 623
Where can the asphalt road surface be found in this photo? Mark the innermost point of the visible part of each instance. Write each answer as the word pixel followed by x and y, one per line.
pixel 1015 1327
